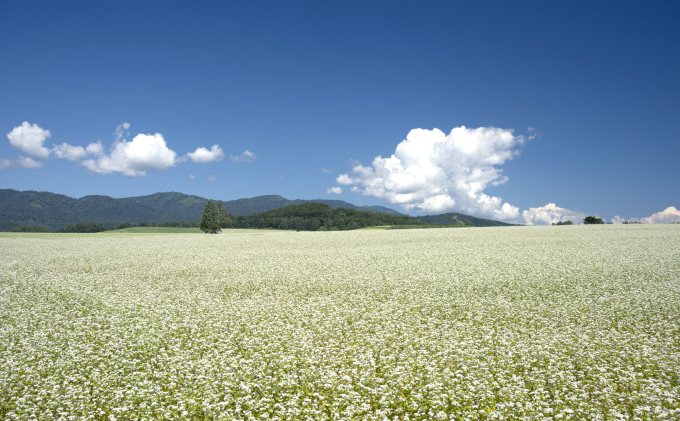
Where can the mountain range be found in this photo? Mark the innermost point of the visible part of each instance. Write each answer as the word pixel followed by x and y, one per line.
pixel 56 210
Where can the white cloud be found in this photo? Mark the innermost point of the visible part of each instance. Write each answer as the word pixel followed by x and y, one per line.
pixel 245 156
pixel 203 156
pixel 325 170
pixel 23 161
pixel 433 172
pixel 667 216
pixel 550 214
pixel 211 178
pixel 618 220
pixel 30 140
pixel 95 148
pixel 72 153
pixel 29 163
pixel 191 176
pixel 120 131
pixel 132 159
pixel 334 190
pixel 346 180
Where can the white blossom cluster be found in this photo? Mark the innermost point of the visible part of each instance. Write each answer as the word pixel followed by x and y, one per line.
pixel 509 323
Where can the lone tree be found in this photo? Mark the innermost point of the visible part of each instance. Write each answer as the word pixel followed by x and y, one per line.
pixel 214 217
pixel 593 220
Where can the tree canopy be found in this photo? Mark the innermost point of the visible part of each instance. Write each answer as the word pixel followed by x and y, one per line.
pixel 214 217
pixel 593 220
pixel 321 217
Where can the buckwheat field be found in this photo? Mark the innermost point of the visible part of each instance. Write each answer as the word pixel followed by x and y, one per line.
pixel 516 323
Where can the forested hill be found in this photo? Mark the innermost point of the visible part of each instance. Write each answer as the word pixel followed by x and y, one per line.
pixel 55 210
pixel 458 218
pixel 320 216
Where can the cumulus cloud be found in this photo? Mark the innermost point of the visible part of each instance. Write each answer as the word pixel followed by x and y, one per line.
pixel 72 153
pixel 325 170
pixel 203 156
pixel 95 148
pixel 121 130
pixel 550 213
pixel 5 163
pixel 191 177
pixel 144 153
pixel 618 220
pixel 666 216
pixel 434 172
pixel 30 140
pixel 30 163
pixel 334 190
pixel 346 180
pixel 246 156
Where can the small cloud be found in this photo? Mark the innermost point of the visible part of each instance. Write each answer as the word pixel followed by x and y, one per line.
pixel 120 131
pixel 334 190
pixel 29 163
pixel 95 148
pixel 324 170
pixel 550 213
pixel 203 156
pixel 30 140
pixel 191 176
pixel 667 216
pixel 5 163
pixel 246 156
pixel 72 153
pixel 211 178
pixel 144 153
pixel 346 180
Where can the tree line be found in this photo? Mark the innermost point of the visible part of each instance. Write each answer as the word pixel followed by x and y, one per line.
pixel 320 217
pixel 92 227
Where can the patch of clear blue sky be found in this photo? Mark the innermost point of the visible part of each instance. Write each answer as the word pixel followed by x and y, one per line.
pixel 307 85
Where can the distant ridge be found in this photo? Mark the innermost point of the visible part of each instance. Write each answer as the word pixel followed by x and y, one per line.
pixel 453 218
pixel 56 210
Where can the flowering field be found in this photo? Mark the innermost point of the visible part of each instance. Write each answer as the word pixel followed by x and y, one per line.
pixel 517 323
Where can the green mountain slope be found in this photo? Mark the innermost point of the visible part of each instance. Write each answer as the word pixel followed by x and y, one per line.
pixel 458 218
pixel 320 216
pixel 55 210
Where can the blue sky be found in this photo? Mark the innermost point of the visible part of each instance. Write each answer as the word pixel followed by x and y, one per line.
pixel 574 104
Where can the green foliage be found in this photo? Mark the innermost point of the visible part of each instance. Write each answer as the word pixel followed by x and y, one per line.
pixel 32 228
pixel 214 217
pixel 453 218
pixel 83 227
pixel 321 217
pixel 564 223
pixel 593 220
pixel 181 224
